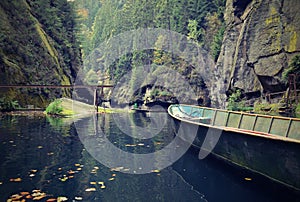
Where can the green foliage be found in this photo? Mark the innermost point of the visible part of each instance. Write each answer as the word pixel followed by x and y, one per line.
pixel 38 46
pixel 8 105
pixel 217 43
pixel 54 108
pixel 91 78
pixel 235 103
pixel 294 68
pixel 187 17
pixel 194 33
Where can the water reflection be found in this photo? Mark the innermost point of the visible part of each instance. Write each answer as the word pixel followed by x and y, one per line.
pixel 119 142
pixel 52 156
pixel 64 168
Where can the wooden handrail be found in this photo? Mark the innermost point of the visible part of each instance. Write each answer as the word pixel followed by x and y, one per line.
pixel 56 86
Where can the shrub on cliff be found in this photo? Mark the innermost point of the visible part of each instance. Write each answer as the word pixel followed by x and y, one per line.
pixel 54 108
pixel 294 68
pixel 8 105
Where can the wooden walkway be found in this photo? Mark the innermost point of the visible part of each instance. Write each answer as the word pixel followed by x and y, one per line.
pixel 57 86
pixel 93 87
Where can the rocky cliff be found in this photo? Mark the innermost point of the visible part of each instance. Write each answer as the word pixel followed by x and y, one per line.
pixel 37 46
pixel 260 39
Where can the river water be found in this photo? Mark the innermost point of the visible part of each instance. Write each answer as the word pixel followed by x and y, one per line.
pixel 50 158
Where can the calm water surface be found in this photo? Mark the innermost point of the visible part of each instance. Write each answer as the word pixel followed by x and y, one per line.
pixel 55 157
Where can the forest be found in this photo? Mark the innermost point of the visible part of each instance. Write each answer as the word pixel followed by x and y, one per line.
pixel 201 21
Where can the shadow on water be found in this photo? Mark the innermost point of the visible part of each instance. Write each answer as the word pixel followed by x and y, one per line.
pixel 52 156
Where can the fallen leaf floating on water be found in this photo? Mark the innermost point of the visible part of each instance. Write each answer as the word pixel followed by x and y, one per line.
pixel 15 197
pixel 114 174
pixel 96 168
pixel 130 145
pixel 65 178
pixel 28 197
pixel 101 183
pixel 33 170
pixel 36 190
pixel 50 153
pixel 79 169
pixel 37 198
pixel 93 182
pixel 31 175
pixel 90 189
pixel 111 179
pixel 40 147
pixel 62 198
pixel 15 179
pixel 141 144
pixel 94 171
pixel 155 171
pixel 1 183
pixel 24 193
pixel 248 178
pixel 51 200
pixel 71 172
pixel 117 168
pixel 103 187
pixel 78 198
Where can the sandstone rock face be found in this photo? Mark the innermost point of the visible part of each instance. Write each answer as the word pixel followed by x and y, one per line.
pixel 260 39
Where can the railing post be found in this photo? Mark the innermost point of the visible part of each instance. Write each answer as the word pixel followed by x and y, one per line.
pixel 227 119
pixel 240 121
pixel 214 117
pixel 254 122
pixel 271 123
pixel 288 129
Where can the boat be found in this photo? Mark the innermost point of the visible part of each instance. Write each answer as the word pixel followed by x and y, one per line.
pixel 268 145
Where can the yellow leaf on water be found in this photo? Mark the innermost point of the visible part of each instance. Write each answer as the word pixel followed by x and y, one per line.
pixel 248 178
pixel 23 193
pixel 93 182
pixel 16 180
pixel 62 198
pixel 51 200
pixel 114 175
pixel 36 190
pixel 111 179
pixel 78 198
pixel 42 195
pixel 90 189
pixel 77 164
pixel 155 171
pixel 102 187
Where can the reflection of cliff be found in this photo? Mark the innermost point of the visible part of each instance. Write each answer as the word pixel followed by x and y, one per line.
pixel 260 39
pixel 32 144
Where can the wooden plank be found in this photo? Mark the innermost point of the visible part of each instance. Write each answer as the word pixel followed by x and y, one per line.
pixel 56 86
